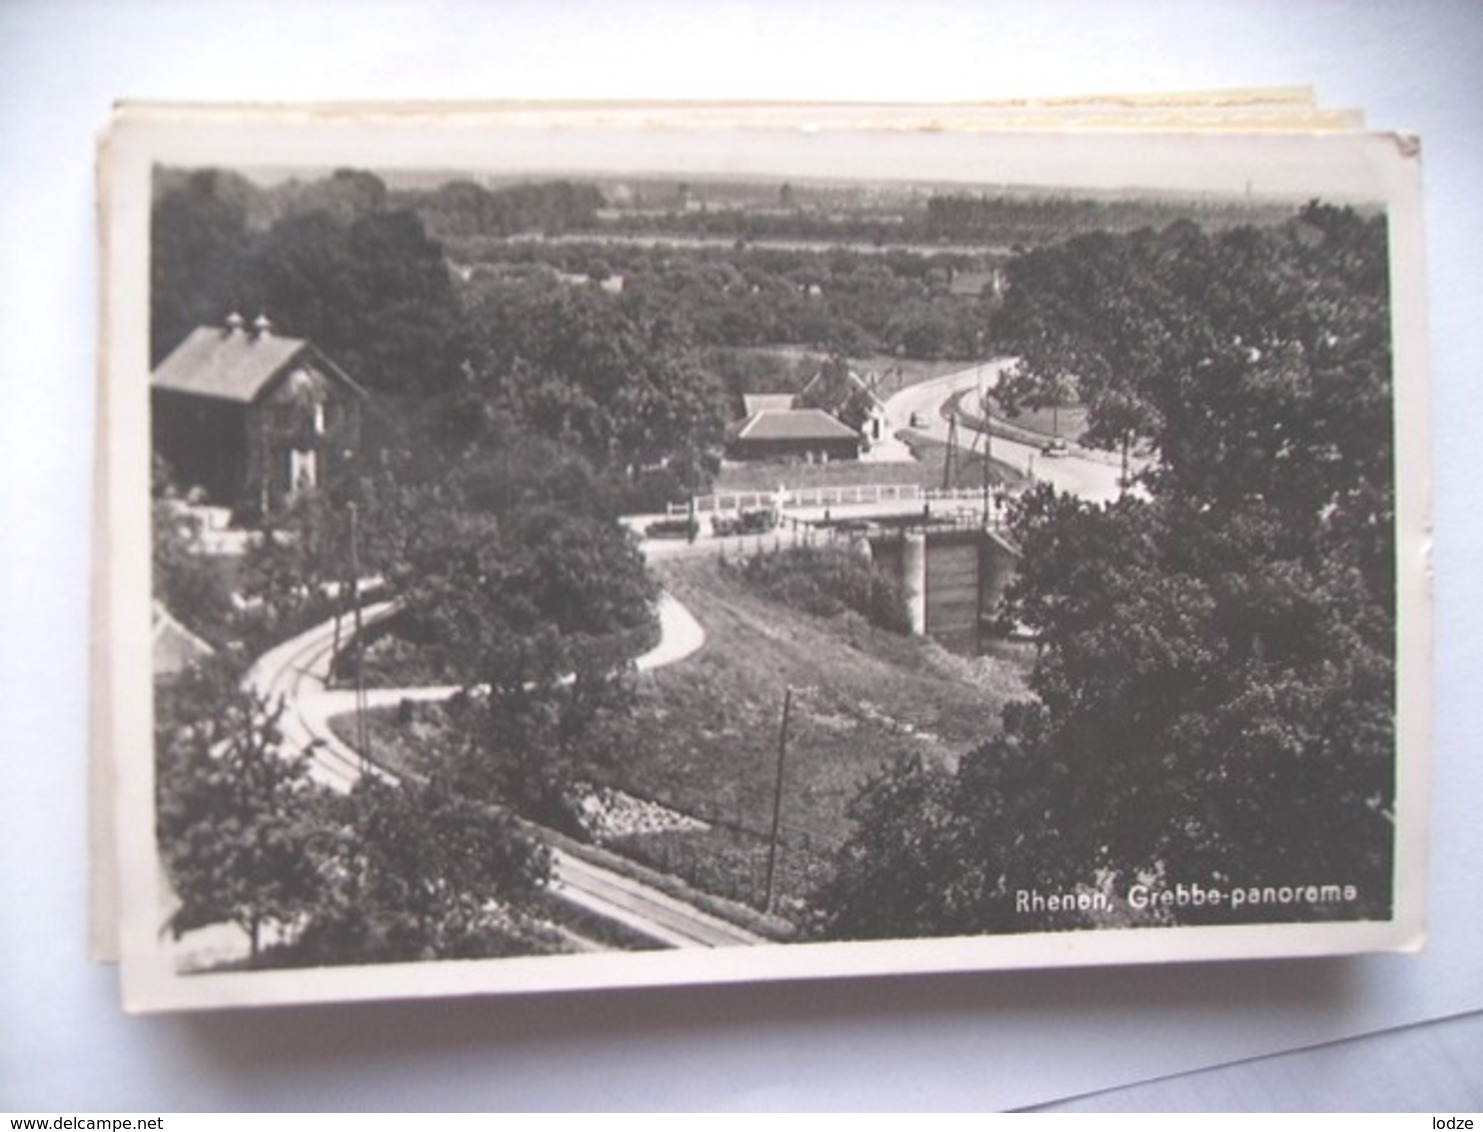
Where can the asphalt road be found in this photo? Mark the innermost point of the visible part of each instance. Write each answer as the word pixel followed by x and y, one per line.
pixel 296 675
pixel 1090 475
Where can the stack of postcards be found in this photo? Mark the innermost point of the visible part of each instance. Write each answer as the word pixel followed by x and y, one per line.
pixel 552 546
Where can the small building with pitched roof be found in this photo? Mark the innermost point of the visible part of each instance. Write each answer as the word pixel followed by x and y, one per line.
pixel 250 417
pixel 794 434
pixel 977 284
pixel 758 402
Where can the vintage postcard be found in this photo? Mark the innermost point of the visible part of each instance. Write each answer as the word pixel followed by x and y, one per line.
pixel 555 547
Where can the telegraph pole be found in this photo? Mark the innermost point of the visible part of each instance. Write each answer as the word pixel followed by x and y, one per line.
pixel 777 801
pixel 988 457
pixel 952 447
pixel 362 732
pixel 988 429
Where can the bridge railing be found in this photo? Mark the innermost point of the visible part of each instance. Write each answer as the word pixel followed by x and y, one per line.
pixel 843 496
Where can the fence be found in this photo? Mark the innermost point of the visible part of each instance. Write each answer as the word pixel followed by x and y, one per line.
pixel 860 494
pixel 794 531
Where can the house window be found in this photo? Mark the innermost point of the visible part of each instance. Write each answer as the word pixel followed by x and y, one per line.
pixel 281 471
pixel 304 469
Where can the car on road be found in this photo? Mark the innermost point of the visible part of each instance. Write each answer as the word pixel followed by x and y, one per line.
pixel 682 527
pixel 918 420
pixel 1055 448
pixel 744 523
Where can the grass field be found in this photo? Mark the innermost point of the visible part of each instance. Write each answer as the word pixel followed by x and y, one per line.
pixel 708 730
pixel 862 697
pixel 1068 422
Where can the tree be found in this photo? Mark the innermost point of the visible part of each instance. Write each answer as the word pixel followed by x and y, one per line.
pixel 286 573
pixel 183 577
pixel 615 377
pixel 237 816
pixel 539 610
pixel 391 871
pixel 903 850
pixel 420 872
pixel 347 195
pixel 198 238
pixel 374 293
pixel 1214 688
pixel 337 265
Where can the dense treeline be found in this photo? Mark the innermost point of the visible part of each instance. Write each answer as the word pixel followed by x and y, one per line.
pixel 997 224
pixel 1215 685
pixel 1033 221
pixel 601 346
pixel 615 376
pixel 362 281
pixel 840 300
pixel 462 208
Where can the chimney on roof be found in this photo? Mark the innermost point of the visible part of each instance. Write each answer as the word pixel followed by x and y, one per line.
pixel 235 322
pixel 261 327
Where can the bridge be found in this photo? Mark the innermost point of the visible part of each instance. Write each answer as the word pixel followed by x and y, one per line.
pixel 952 559
pixel 953 577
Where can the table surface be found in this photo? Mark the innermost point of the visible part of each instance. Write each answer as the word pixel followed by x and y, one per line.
pixel 978 1042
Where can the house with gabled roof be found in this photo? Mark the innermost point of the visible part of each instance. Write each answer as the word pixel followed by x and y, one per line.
pixel 249 417
pixel 848 397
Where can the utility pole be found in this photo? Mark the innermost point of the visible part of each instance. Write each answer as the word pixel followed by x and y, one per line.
pixel 983 407
pixel 988 429
pixel 777 801
pixel 332 676
pixel 952 447
pixel 988 457
pixel 362 732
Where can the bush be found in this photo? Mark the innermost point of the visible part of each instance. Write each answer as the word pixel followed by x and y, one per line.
pixel 826 581
pixel 653 489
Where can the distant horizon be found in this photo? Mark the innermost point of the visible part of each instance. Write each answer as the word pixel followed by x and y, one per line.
pixel 408 179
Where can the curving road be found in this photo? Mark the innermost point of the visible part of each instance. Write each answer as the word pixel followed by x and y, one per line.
pixel 296 674
pixel 1082 472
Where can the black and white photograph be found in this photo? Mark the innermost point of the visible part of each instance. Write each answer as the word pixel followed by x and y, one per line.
pixel 549 554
